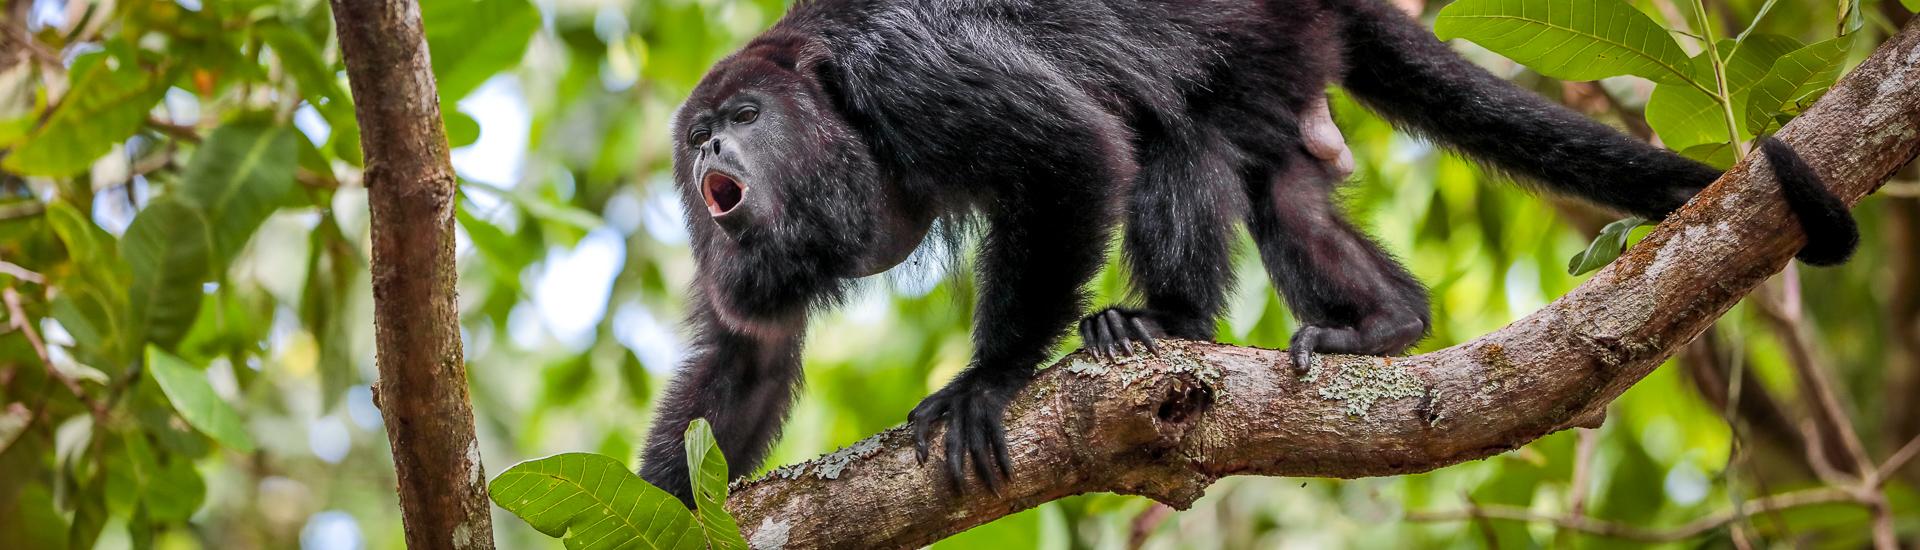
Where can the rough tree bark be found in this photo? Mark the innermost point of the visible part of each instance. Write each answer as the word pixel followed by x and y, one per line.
pixel 422 391
pixel 1166 427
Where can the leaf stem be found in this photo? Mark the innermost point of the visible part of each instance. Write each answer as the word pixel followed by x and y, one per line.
pixel 1722 96
pixel 1764 10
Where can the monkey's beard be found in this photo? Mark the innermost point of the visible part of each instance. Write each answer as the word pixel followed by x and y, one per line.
pixel 765 292
pixel 795 257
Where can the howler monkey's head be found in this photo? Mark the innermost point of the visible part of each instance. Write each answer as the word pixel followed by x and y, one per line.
pixel 782 195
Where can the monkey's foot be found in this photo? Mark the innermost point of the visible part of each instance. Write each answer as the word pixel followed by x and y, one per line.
pixel 1113 331
pixel 1311 339
pixel 972 406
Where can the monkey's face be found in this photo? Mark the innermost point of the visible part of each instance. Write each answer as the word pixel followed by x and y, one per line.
pixel 782 196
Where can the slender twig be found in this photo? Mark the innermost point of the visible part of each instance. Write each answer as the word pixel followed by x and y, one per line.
pixel 25 209
pixel 1144 524
pixel 1781 310
pixel 1589 442
pixel 1798 499
pixel 1481 521
pixel 1817 459
pixel 1785 315
pixel 1582 471
pixel 1896 462
pixel 21 273
pixel 17 318
pixel 182 132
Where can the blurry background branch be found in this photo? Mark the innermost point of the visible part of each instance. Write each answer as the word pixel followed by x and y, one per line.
pixel 1166 427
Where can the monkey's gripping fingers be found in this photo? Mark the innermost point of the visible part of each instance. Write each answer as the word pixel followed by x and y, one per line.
pixel 1112 331
pixel 972 407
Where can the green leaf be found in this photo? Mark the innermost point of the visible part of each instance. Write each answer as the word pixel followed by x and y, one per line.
pixel 166 248
pixel 1718 155
pixel 94 295
pixel 709 471
pixel 107 100
pixel 1684 116
pixel 300 55
pixel 32 520
pixel 564 381
pixel 89 515
pixel 345 144
pixel 240 175
pixel 634 377
pixel 1912 5
pixel 593 502
pixel 1635 488
pixel 166 485
pixel 504 255
pixel 542 208
pixel 331 274
pixel 1796 80
pixel 1604 248
pixel 1851 19
pixel 194 399
pixel 462 130
pixel 1569 39
pixel 14 129
pixel 471 40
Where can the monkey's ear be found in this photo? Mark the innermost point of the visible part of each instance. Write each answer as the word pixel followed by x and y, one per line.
pixel 813 62
pixel 788 50
pixel 810 57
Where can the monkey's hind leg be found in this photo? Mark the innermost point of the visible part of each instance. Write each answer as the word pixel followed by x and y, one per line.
pixel 1178 248
pixel 1349 295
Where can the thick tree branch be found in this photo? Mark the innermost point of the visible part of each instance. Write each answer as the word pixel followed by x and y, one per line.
pixel 1167 427
pixel 422 391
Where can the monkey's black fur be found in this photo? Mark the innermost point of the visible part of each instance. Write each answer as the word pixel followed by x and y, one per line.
pixel 823 149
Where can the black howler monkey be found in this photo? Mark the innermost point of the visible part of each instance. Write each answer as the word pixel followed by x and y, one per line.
pixel 824 149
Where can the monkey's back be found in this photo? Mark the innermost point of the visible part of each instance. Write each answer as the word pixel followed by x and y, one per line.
pixel 1150 63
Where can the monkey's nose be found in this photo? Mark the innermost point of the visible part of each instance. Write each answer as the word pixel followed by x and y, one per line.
pixel 712 146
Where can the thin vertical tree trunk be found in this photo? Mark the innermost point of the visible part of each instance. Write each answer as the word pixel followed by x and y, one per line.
pixel 422 391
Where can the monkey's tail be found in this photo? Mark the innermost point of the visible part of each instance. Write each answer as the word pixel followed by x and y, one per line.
pixel 1831 231
pixel 1397 67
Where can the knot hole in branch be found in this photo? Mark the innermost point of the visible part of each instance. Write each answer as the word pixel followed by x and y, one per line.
pixel 1184 401
pixel 1181 401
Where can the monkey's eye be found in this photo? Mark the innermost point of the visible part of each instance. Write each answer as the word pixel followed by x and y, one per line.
pixel 746 115
pixel 698 136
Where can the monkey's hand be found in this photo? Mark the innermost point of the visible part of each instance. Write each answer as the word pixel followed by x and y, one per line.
pixel 972 406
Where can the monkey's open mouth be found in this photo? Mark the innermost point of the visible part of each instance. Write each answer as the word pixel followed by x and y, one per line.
pixel 722 192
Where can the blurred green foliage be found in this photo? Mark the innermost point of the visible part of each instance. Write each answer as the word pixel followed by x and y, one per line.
pixel 182 226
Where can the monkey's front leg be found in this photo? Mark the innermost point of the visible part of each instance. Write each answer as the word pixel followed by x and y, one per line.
pixel 741 383
pixel 1032 266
